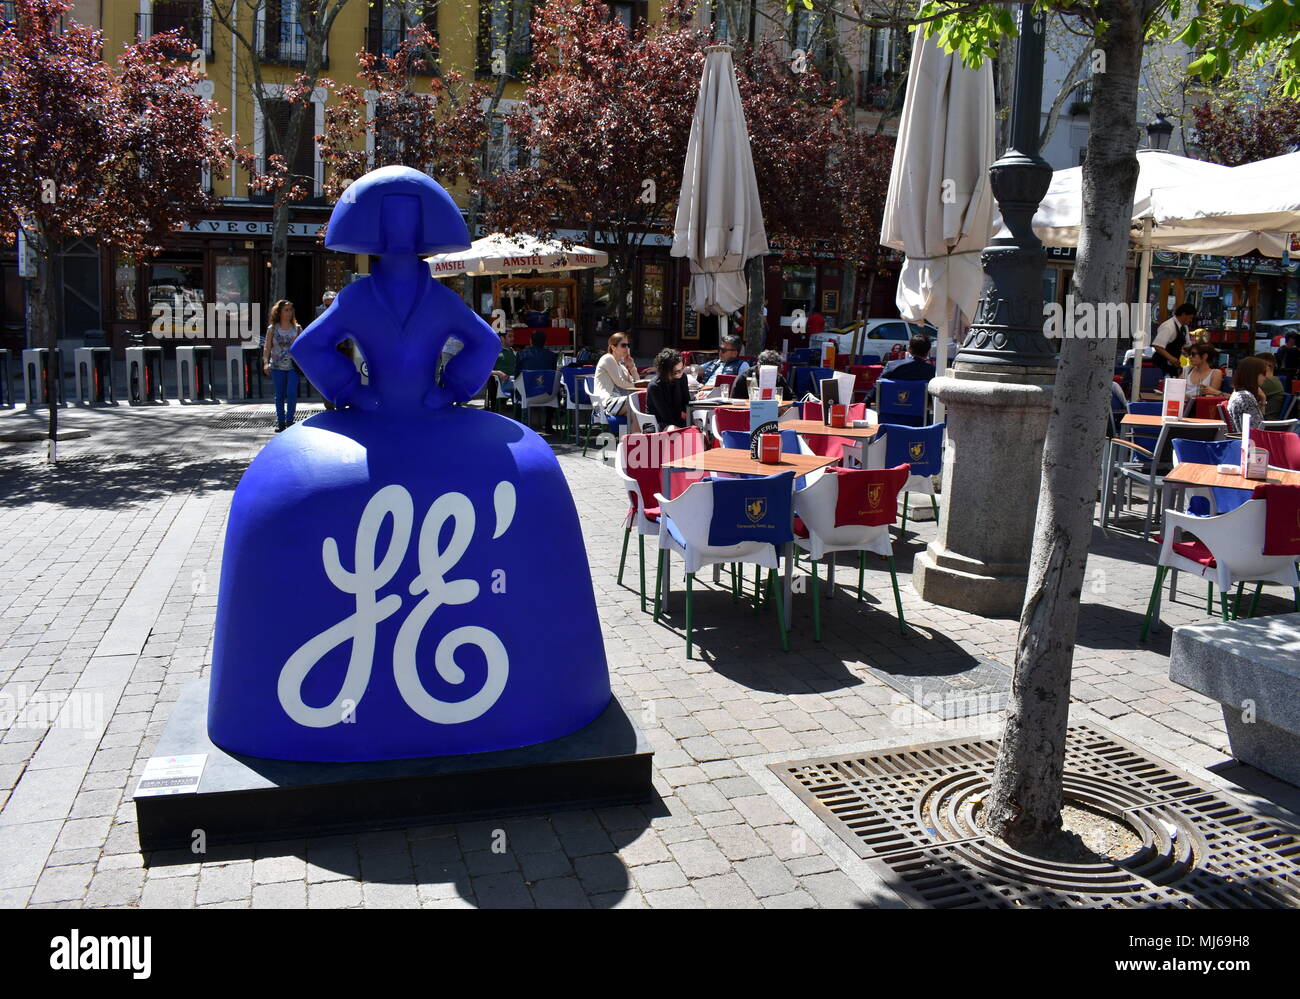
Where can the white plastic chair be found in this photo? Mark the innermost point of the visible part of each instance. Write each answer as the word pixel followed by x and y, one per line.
pixel 692 514
pixel 638 420
pixel 1227 549
pixel 815 507
pixel 549 397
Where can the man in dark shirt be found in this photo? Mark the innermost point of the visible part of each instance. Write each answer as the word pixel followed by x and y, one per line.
pixel 917 367
pixel 537 357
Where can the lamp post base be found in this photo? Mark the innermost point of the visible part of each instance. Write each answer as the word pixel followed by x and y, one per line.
pixel 997 421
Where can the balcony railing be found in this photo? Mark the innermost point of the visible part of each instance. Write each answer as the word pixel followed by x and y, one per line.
pixel 284 43
pixel 386 42
pixel 197 28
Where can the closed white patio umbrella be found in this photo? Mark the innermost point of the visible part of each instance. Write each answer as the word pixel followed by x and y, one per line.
pixel 939 210
pixel 502 254
pixel 719 222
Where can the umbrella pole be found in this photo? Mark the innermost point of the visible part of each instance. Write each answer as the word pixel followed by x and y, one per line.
pixel 941 365
pixel 1140 334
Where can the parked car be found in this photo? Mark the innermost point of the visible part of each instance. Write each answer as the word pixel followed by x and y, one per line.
pixel 1270 334
pixel 895 330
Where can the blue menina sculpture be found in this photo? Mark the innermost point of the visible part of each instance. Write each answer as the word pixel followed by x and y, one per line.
pixel 402 577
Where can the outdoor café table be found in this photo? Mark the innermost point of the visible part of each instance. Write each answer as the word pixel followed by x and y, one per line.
pixel 733 461
pixel 1156 420
pixel 1189 475
pixel 816 428
pixel 732 404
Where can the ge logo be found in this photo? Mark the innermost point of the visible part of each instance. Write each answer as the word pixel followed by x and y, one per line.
pixel 369 575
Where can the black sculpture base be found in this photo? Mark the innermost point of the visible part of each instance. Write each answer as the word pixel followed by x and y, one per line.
pixel 244 798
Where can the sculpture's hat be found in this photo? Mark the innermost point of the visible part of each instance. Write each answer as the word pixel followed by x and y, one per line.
pixel 356 227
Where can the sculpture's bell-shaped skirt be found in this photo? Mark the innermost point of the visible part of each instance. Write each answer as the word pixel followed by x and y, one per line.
pixel 403 585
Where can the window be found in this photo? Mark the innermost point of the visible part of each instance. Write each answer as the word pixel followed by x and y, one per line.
pixel 505 37
pixel 629 12
pixel 653 281
pixel 232 281
pixel 505 152
pixel 275 126
pixel 797 288
pixel 879 69
pixel 734 20
pixel 280 35
pixel 184 15
pixel 176 283
pixel 806 32
pixel 125 285
pixel 390 20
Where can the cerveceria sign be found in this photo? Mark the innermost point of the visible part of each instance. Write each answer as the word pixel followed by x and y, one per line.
pixel 248 227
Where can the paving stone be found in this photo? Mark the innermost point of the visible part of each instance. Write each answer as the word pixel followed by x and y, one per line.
pixel 63 884
pixel 502 891
pixel 560 893
pixel 766 876
pixel 700 858
pixel 280 895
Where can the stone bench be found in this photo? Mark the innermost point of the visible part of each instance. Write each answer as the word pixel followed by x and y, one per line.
pixel 1250 667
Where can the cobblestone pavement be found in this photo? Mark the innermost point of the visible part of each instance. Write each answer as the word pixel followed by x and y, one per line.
pixel 111 563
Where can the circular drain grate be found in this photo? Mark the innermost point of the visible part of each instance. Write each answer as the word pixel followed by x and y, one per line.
pixel 909 812
pixel 1169 843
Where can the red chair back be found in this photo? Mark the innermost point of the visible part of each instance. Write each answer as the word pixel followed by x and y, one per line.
pixel 644 461
pixel 867 376
pixel 1283 448
pixel 868 496
pixel 1205 407
pixel 1281 518
pixel 727 380
pixel 1222 407
pixel 726 418
pixel 640 401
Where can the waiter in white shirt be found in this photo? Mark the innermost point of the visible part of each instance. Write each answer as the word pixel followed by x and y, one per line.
pixel 1171 338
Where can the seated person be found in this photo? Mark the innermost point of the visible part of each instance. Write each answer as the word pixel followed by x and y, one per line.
pixel 667 396
pixel 914 368
pixel 1272 388
pixel 1248 399
pixel 1202 377
pixel 1288 356
pixel 616 377
pixel 728 362
pixel 502 371
pixel 537 357
pixel 769 357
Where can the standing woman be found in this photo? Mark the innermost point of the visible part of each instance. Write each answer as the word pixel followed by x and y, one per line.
pixel 278 363
pixel 615 377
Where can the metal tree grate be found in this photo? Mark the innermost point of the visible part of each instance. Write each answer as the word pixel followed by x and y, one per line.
pixel 258 417
pixel 910 811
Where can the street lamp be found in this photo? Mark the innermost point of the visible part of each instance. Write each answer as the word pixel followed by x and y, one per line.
pixel 1159 132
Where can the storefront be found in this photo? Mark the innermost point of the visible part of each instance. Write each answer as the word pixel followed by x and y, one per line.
pixel 221 260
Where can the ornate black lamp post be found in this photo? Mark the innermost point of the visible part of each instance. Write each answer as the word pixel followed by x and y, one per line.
pixel 1159 132
pixel 999 391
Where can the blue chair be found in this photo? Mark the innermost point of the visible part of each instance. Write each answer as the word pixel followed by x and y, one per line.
pixel 1213 501
pixel 738 440
pixel 537 389
pixel 715 521
pixel 803 355
pixel 806 380
pixel 920 447
pixel 900 402
pixel 577 395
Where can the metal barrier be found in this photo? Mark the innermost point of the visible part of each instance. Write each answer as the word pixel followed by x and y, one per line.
pixel 93 376
pixel 6 381
pixel 244 373
pixel 40 364
pixel 194 374
pixel 144 375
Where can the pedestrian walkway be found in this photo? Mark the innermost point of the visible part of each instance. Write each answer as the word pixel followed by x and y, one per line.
pixel 111 562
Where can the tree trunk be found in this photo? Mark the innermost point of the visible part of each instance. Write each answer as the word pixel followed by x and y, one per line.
pixel 1025 801
pixel 755 321
pixel 43 312
pixel 848 293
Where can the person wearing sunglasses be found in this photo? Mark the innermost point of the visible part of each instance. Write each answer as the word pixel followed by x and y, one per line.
pixel 616 376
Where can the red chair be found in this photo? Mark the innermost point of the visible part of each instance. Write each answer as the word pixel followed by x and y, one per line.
pixel 727 380
pixel 725 418
pixel 1283 448
pixel 639 463
pixel 867 377
pixel 826 446
pixel 1222 408
pixel 1206 407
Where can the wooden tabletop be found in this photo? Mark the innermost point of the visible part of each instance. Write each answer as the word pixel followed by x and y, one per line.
pixel 1191 474
pixel 1155 420
pixel 819 429
pixel 738 462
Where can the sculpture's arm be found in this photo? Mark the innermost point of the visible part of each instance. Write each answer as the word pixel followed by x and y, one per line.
pixel 467 372
pixel 316 352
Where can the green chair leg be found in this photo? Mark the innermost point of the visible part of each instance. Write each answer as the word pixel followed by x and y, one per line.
pixel 775 596
pixel 862 568
pixel 903 530
pixel 898 598
pixel 1151 604
pixel 817 604
pixel 627 536
pixel 1209 598
pixel 735 582
pixel 659 587
pixel 1223 603
pixel 758 592
pixel 1236 604
pixel 690 611
pixel 934 505
pixel 641 541
pixel 1295 592
pixel 1254 601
